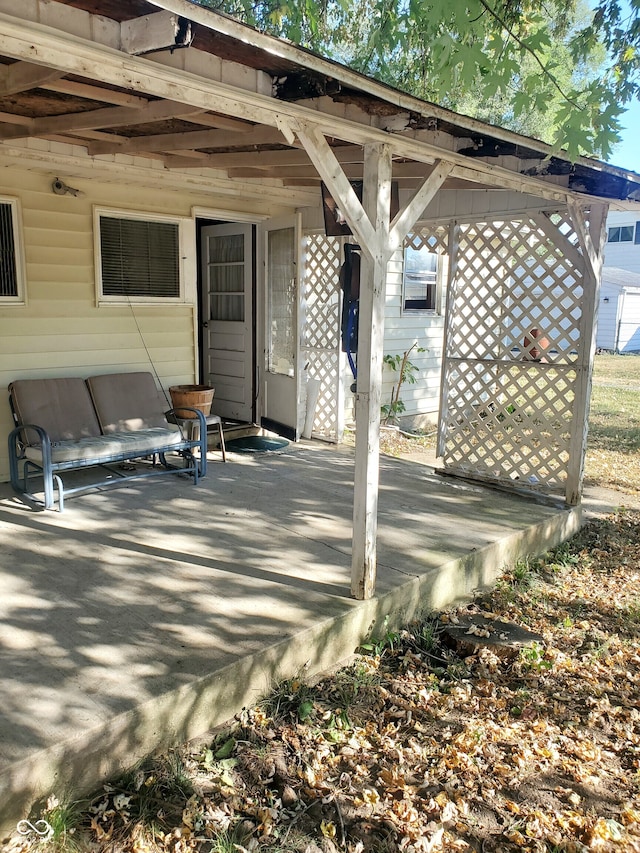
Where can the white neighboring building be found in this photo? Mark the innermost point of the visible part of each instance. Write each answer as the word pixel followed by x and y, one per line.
pixel 623 241
pixel 619 310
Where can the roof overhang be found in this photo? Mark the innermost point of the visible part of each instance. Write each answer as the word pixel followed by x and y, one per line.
pixel 193 117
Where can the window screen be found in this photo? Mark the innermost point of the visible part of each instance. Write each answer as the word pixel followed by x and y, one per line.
pixel 281 278
pixel 8 269
pixel 140 258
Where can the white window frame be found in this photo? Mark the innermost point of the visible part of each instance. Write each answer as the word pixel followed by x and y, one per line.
pixel 422 312
pixel 118 213
pixel 18 248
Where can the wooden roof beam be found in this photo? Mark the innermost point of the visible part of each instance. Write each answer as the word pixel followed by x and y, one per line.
pixel 21 76
pixel 189 139
pixel 279 158
pixel 221 122
pixel 95 93
pixel 75 57
pixel 403 184
pixel 183 160
pixel 99 119
pixel 124 99
pixel 352 170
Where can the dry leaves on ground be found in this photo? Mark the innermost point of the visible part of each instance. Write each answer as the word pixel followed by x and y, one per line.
pixel 420 746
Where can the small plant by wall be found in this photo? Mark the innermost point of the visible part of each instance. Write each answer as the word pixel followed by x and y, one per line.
pixel 406 372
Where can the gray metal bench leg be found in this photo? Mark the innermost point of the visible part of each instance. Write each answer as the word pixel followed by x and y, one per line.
pixel 60 493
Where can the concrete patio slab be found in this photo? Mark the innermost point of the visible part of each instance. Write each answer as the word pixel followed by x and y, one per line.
pixel 146 614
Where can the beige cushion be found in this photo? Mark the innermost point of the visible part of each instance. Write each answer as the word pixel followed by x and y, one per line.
pixel 128 401
pixel 103 447
pixel 62 407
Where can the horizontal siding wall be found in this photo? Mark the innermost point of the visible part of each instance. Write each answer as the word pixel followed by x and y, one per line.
pixel 401 331
pixel 60 331
pixel 466 204
pixel 624 256
pixel 607 317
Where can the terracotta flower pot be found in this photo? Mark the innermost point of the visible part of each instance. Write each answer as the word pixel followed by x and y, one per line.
pixel 531 352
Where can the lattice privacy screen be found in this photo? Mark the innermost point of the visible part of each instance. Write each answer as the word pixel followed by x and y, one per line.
pixel 320 332
pixel 435 238
pixel 513 348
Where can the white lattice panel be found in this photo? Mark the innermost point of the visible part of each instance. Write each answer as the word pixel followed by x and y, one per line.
pixel 509 422
pixel 512 350
pixel 320 343
pixel 433 237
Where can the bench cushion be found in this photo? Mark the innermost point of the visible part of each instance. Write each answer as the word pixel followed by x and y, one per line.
pixel 62 407
pixel 98 448
pixel 128 401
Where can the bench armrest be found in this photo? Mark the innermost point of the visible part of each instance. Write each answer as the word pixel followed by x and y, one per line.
pixel 201 441
pixel 18 440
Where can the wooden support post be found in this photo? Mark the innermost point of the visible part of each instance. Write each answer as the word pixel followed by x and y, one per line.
pixel 378 238
pixel 454 246
pixel 376 201
pixel 591 237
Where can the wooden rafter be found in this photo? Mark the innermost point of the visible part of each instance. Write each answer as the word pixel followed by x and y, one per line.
pixel 21 76
pixel 352 167
pixel 73 57
pixel 12 118
pixel 278 160
pixel 100 119
pixel 189 139
pixel 157 31
pixel 96 93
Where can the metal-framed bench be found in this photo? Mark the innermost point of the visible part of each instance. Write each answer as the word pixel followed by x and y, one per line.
pixel 71 423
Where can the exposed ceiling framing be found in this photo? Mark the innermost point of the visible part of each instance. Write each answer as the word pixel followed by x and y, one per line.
pixel 251 141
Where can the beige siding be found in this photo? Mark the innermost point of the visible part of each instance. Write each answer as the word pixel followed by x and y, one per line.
pixel 61 331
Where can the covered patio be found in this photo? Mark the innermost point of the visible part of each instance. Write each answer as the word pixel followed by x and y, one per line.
pixel 144 615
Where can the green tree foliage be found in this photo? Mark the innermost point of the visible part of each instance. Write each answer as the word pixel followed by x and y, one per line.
pixel 558 70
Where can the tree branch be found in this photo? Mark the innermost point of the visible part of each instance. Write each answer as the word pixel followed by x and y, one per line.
pixel 526 48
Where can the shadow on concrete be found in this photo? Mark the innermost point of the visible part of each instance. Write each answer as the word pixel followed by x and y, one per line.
pixel 145 614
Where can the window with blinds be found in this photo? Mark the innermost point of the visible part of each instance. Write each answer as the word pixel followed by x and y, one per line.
pixel 9 282
pixel 139 258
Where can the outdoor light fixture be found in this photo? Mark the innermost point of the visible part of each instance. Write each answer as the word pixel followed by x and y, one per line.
pixel 60 188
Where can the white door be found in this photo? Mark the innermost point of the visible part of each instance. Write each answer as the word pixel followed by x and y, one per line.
pixel 227 318
pixel 281 257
